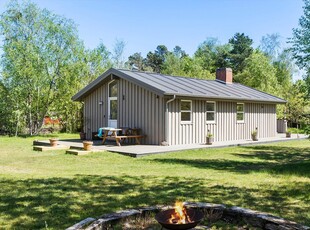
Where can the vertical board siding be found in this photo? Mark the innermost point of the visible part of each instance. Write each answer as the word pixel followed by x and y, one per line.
pixel 281 126
pixel 262 117
pixel 226 127
pixel 95 115
pixel 137 107
pixel 141 108
pixel 189 132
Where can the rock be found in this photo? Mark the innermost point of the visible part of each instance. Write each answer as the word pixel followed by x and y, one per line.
pixel 81 224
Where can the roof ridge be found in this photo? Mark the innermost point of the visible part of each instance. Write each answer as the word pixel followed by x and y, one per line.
pixel 120 69
pixel 148 72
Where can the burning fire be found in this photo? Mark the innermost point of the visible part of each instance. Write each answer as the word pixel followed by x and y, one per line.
pixel 180 215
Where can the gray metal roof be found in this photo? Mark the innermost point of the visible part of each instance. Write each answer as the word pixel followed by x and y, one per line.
pixel 183 86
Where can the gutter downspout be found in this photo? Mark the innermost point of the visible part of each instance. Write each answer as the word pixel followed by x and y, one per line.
pixel 167 119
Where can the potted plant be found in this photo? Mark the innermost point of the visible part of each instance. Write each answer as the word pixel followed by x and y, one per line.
pixel 87 145
pixel 210 138
pixel 54 142
pixel 288 134
pixel 254 135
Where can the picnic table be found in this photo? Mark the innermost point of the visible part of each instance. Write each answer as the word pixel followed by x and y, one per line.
pixel 111 133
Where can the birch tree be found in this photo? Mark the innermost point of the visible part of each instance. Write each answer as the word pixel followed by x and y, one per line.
pixel 44 63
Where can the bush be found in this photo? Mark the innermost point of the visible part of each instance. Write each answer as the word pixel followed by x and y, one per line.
pixel 295 130
pixel 307 130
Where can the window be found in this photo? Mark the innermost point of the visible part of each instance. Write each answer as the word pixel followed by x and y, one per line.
pixel 113 109
pixel 210 112
pixel 240 112
pixel 113 89
pixel 186 110
pixel 112 100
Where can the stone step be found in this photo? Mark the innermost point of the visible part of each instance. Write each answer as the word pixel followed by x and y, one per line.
pixel 50 148
pixel 40 143
pixel 81 151
pixel 76 147
pixel 77 152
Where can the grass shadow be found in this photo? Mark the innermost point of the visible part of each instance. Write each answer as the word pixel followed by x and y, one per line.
pixel 276 153
pixel 218 164
pixel 285 160
pixel 271 159
pixel 61 202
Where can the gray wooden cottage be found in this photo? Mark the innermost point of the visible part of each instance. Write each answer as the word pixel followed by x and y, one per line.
pixel 178 110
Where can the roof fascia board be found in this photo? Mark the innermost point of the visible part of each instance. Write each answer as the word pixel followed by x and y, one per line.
pixel 114 74
pixel 284 101
pixel 94 84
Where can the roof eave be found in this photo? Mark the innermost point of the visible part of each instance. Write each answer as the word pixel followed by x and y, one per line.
pixel 97 82
pixel 83 92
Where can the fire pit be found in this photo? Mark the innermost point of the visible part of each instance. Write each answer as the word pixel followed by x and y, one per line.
pixel 214 215
pixel 179 217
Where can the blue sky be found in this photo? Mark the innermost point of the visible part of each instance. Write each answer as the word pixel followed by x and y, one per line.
pixel 144 24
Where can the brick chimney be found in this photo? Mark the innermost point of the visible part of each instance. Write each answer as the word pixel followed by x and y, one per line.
pixel 224 75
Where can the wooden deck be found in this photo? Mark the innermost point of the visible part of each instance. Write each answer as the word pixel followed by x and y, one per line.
pixel 144 150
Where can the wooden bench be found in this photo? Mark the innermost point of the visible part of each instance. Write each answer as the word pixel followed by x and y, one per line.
pixel 122 138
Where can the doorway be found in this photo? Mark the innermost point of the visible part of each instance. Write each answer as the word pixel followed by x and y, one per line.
pixel 112 104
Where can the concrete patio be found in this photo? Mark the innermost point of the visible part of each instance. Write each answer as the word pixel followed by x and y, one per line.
pixel 143 150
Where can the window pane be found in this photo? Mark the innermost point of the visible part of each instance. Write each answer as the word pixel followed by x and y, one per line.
pixel 185 116
pixel 240 107
pixel 240 116
pixel 210 107
pixel 113 89
pixel 210 116
pixel 113 109
pixel 186 105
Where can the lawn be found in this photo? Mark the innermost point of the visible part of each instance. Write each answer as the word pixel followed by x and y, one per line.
pixel 53 190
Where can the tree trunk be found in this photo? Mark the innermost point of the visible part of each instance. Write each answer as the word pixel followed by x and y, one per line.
pixel 17 124
pixel 30 123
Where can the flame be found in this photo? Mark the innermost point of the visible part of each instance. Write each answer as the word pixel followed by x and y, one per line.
pixel 180 215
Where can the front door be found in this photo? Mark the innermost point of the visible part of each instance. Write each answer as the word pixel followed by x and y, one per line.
pixel 112 104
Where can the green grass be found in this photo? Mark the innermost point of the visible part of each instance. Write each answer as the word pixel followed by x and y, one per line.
pixel 53 190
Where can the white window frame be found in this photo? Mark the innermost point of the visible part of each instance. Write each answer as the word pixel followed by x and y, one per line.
pixel 240 121
pixel 214 121
pixel 112 122
pixel 109 88
pixel 191 111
